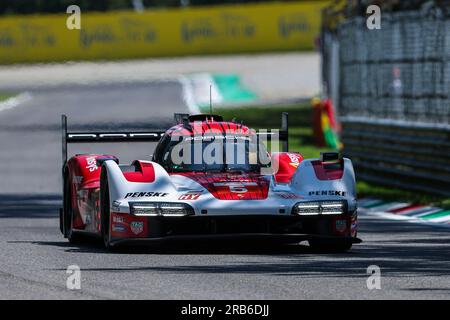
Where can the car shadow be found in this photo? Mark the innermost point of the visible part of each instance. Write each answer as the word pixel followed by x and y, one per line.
pixel 92 245
pixel 400 249
pixel 394 252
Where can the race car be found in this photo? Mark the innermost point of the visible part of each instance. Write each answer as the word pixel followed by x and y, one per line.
pixel 208 179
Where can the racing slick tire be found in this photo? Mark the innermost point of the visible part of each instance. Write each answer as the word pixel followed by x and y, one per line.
pixel 105 209
pixel 330 246
pixel 71 235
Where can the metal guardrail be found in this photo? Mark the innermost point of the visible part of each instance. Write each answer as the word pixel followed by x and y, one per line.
pixel 407 156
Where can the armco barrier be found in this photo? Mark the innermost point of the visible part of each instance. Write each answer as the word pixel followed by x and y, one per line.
pixel 405 155
pixel 172 32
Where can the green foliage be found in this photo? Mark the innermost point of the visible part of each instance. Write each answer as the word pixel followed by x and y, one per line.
pixel 270 116
pixel 60 6
pixel 5 95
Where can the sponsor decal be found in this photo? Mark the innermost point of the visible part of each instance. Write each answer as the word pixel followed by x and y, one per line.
pixel 235 183
pixel 217 137
pixel 327 193
pixel 118 228
pixel 341 226
pixel 115 206
pixel 91 164
pixel 288 195
pixel 294 159
pixel 118 219
pixel 137 227
pixel 191 195
pixel 150 194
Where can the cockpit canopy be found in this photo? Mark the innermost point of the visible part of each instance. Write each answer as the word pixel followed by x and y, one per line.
pixel 212 152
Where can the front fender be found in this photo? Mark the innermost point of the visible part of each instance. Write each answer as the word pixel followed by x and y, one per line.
pixel 122 190
pixel 308 183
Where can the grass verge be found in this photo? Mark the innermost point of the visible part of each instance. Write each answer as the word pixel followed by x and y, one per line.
pixel 6 95
pixel 301 140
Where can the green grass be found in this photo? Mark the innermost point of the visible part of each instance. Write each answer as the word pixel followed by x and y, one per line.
pixel 5 95
pixel 301 140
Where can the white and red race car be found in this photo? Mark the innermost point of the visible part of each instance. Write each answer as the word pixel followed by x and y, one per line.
pixel 208 180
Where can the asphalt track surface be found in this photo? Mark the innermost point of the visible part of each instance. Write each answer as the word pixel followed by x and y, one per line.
pixel 414 259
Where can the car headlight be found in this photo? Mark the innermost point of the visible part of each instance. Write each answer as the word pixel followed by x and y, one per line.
pixel 311 208
pixel 166 209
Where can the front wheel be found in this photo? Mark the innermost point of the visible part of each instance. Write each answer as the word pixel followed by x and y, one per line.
pixel 330 246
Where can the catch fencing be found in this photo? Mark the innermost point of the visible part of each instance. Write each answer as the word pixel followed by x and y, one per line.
pixel 391 87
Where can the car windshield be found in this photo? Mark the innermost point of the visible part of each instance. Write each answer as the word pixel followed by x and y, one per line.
pixel 215 154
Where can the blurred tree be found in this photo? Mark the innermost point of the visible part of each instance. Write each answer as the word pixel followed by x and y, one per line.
pixel 55 6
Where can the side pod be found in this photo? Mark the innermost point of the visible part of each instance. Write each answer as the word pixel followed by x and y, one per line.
pixel 313 179
pixel 119 186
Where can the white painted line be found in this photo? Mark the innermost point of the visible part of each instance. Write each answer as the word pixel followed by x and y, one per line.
pixel 188 95
pixel 426 212
pixel 390 206
pixel 440 220
pixel 391 216
pixel 196 91
pixel 15 101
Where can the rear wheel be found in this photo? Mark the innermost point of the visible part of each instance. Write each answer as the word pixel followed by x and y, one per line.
pixel 330 246
pixel 71 235
pixel 105 209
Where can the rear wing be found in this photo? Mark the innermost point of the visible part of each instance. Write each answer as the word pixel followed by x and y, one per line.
pixel 149 136
pixel 96 137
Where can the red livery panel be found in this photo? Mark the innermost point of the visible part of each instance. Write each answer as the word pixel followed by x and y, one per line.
pixel 228 186
pixel 287 165
pixel 82 175
pixel 328 172
pixel 144 173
